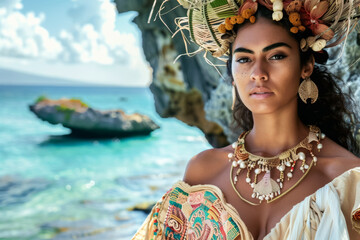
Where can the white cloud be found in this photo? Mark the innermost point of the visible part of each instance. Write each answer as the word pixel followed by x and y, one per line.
pixel 11 4
pixel 92 39
pixel 95 37
pixel 23 36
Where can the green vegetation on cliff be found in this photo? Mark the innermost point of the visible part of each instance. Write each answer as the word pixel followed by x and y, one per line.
pixel 41 98
pixel 65 106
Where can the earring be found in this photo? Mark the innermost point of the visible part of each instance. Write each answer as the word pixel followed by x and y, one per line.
pixel 308 89
pixel 233 97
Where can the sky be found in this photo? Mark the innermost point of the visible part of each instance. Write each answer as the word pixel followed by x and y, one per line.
pixel 82 40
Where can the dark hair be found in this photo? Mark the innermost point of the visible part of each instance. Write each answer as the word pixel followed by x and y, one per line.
pixel 332 112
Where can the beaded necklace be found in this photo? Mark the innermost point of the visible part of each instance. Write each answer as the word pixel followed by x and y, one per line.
pixel 268 189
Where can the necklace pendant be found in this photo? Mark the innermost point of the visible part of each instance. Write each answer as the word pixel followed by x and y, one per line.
pixel 267 188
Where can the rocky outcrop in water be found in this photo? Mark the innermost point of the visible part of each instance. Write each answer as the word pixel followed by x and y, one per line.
pixel 85 121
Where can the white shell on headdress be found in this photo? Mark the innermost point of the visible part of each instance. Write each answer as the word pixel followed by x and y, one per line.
pixel 278 5
pixel 277 8
pixel 277 16
pixel 318 45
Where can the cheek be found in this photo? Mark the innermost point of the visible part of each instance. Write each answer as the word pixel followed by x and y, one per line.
pixel 241 81
pixel 242 87
pixel 290 79
pixel 239 74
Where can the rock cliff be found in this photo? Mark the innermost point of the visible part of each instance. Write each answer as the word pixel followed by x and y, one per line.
pixel 181 89
pixel 191 90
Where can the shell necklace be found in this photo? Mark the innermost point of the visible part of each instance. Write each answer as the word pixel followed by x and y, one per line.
pixel 268 189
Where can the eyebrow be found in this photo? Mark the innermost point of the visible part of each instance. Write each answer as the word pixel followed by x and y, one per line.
pixel 265 49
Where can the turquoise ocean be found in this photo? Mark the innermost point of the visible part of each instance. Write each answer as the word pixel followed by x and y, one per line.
pixel 56 187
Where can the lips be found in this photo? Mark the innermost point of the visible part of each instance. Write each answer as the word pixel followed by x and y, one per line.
pixel 260 90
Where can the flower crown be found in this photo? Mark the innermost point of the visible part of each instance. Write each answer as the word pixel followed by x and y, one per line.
pixel 211 22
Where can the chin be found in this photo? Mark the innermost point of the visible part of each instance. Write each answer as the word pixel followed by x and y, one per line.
pixel 261 108
pixel 262 112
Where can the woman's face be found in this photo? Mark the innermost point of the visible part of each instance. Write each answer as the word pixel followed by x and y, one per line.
pixel 266 67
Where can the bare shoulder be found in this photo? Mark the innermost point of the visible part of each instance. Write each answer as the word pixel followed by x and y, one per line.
pixel 336 159
pixel 204 166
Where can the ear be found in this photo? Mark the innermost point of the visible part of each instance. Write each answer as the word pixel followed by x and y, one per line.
pixel 308 67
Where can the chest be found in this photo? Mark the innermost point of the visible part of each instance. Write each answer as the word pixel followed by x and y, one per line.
pixel 260 219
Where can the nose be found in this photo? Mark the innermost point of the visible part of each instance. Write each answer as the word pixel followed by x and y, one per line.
pixel 259 72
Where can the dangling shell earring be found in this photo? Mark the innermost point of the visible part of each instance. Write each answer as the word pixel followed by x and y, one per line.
pixel 308 89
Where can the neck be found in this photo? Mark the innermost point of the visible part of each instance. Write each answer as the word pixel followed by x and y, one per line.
pixel 273 134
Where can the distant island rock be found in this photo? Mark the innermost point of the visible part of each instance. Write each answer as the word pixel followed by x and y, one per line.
pixel 85 121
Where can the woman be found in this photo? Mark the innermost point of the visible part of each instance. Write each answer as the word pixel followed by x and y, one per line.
pixel 283 178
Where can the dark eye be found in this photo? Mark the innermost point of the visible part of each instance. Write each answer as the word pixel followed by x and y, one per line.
pixel 243 60
pixel 278 57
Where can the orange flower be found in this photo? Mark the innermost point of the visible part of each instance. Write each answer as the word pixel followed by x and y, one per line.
pixel 246 13
pixel 248 9
pixel 233 20
pixel 240 19
pixel 301 28
pixel 294 18
pixel 222 28
pixel 228 26
pixel 227 20
pixel 293 6
pixel 252 19
pixel 294 30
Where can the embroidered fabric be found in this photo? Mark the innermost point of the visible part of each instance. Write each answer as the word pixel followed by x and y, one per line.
pixel 201 212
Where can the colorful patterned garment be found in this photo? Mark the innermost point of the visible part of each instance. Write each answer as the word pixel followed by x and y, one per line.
pixel 192 214
pixel 200 212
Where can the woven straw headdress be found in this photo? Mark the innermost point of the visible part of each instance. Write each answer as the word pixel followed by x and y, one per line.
pixel 210 22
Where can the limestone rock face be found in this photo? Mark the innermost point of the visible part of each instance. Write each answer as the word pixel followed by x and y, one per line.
pixel 89 122
pixel 180 89
pixel 217 110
